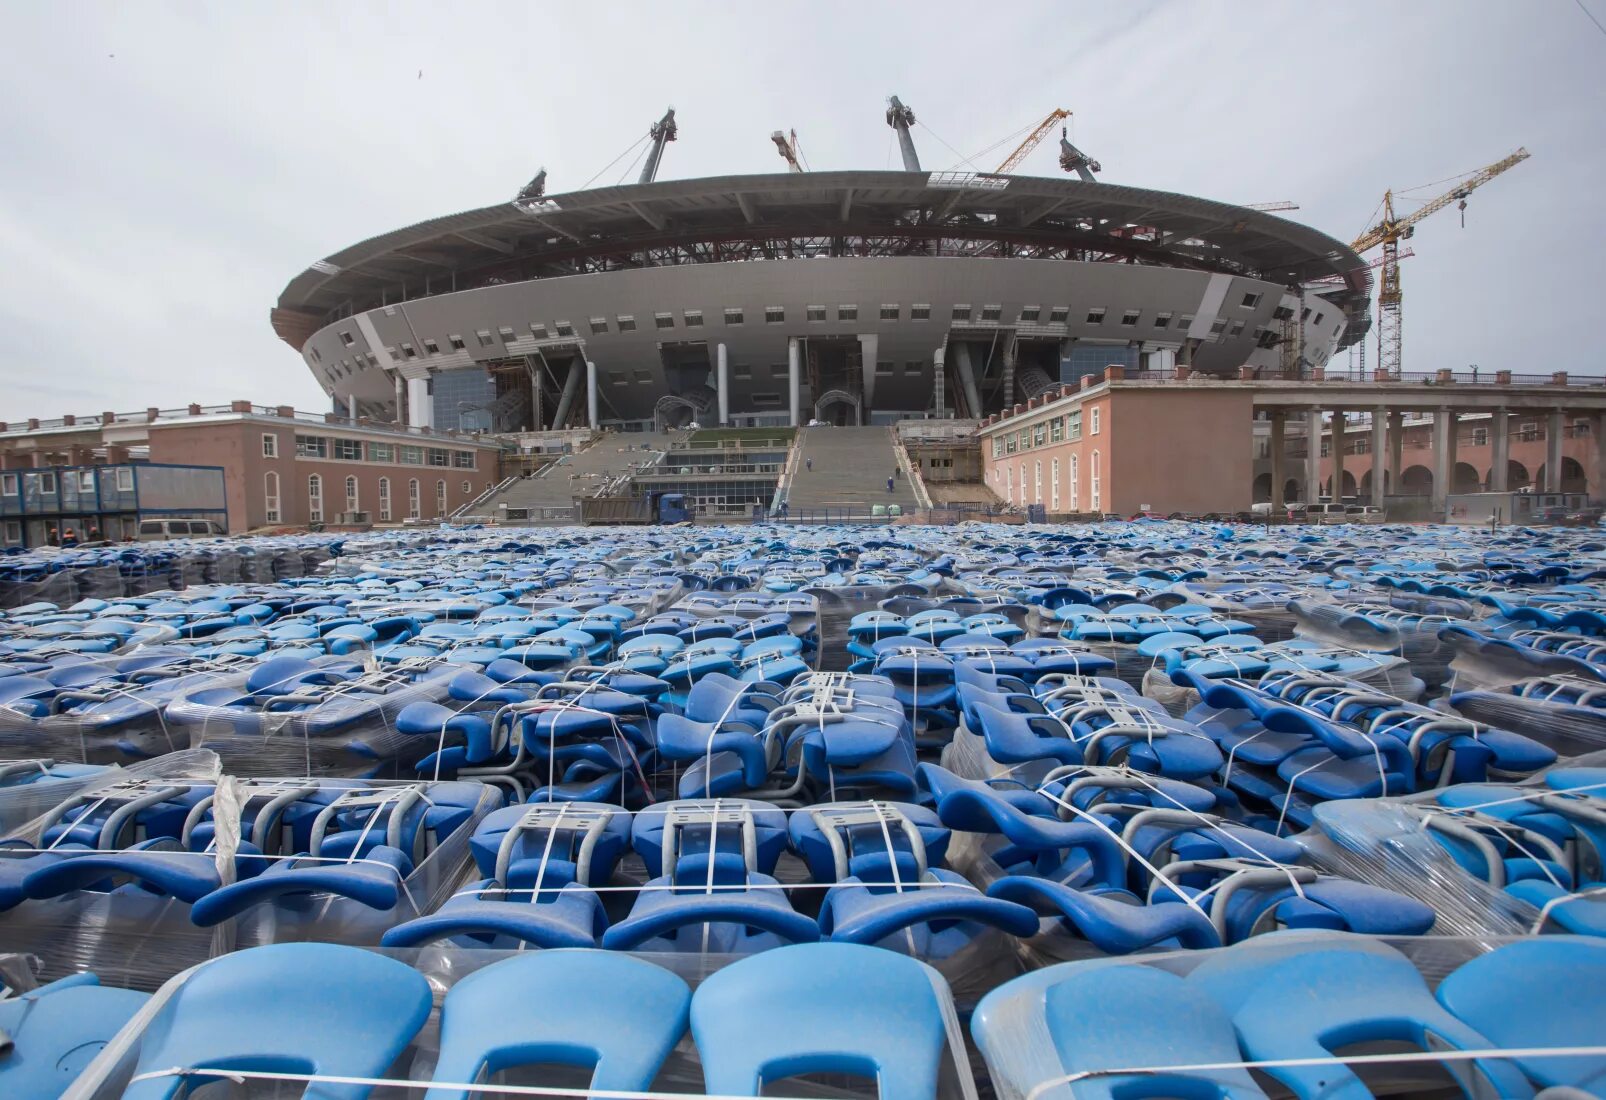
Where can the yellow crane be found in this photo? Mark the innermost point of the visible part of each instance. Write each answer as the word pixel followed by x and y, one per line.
pixel 1391 230
pixel 1033 140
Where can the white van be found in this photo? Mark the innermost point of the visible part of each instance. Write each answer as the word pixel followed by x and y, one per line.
pixel 160 530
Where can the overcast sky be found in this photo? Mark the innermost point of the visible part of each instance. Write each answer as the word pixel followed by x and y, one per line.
pixel 166 168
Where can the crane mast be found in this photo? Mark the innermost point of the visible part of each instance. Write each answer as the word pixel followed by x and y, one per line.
pixel 1033 140
pixel 1390 231
pixel 900 118
pixel 662 131
pixel 786 144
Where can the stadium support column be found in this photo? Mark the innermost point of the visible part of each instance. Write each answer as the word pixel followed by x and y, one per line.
pixel 1553 432
pixel 1277 458
pixel 401 398
pixel 869 353
pixel 351 406
pixel 792 379
pixel 1500 451
pixel 1380 446
pixel 1313 456
pixel 1443 430
pixel 722 379
pixel 967 379
pixel 420 407
pixel 591 395
pixel 571 387
pixel 939 386
pixel 1339 443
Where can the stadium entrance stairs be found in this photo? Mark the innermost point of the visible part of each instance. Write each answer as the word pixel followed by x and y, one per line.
pixel 546 495
pixel 849 472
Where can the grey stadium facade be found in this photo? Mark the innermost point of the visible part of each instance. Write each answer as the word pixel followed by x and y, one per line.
pixel 774 299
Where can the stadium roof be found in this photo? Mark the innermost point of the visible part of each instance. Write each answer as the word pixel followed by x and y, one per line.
pixel 815 213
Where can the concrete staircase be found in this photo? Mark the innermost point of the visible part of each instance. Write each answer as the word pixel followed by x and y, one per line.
pixel 850 471
pixel 580 474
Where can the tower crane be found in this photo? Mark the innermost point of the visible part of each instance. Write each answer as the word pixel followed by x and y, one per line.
pixel 1033 140
pixel 1391 230
pixel 787 145
pixel 900 118
pixel 662 131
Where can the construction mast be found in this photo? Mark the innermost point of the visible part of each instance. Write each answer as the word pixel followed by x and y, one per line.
pixel 786 143
pixel 1390 231
pixel 1033 140
pixel 662 131
pixel 1073 159
pixel 900 118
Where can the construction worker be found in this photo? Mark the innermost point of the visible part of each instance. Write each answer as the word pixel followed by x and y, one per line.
pixel 808 464
pixel 889 485
pixel 69 537
pixel 52 536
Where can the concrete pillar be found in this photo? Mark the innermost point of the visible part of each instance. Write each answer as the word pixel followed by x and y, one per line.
pixel 591 395
pixel 1396 449
pixel 566 399
pixel 1443 430
pixel 1339 443
pixel 1380 445
pixel 869 353
pixel 1599 428
pixel 420 407
pixel 722 380
pixel 939 384
pixel 1278 475
pixel 401 399
pixel 351 406
pixel 1313 456
pixel 1553 431
pixel 1009 371
pixel 967 380
pixel 1500 448
pixel 1453 442
pixel 793 370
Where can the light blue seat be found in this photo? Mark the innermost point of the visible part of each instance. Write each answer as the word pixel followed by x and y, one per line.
pixel 1300 997
pixel 1547 992
pixel 619 1014
pixel 56 1030
pixel 822 1008
pixel 1103 1017
pixel 313 1008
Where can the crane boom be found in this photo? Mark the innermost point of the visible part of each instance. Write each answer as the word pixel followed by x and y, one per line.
pixel 662 131
pixel 1393 226
pixel 787 146
pixel 1033 140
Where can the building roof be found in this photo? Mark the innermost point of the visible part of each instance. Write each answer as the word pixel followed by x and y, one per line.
pixel 728 218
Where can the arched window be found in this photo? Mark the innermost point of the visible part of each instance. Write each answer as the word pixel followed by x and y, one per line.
pixel 1076 483
pixel 412 498
pixel 315 498
pixel 352 502
pixel 270 497
pixel 1054 484
pixel 467 490
pixel 384 498
pixel 1022 478
pixel 1095 497
pixel 440 498
pixel 1009 478
pixel 1037 483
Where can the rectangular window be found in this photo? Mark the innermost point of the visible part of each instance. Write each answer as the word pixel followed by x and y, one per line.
pixel 991 313
pixel 1130 318
pixel 409 352
pixel 1161 320
pixel 1028 314
pixel 847 313
pixel 463 460
pixel 1237 330
pixel 125 479
pixel 742 374
pixel 346 338
pixel 599 326
pixel 437 457
pixel 919 313
pixel 1251 301
pixel 563 328
pixel 617 378
pixel 1056 429
pixel 412 456
pixel 348 450
pixel 8 485
pixel 1011 443
pixel 507 334
pixel 815 313
pixel 912 368
pixel 1218 326
pixel 13 531
pixel 312 446
pixel 644 377
pixel 47 483
pixel 1304 314
pixel 664 320
pixel 693 318
pixel 1039 435
pixel 538 330
pixel 86 481
pixel 733 316
pixel 1058 315
pixel 1093 421
pixel 1095 316
pixel 998 447
pixel 774 315
pixel 627 323
pixel 485 337
pixel 1319 316
pixel 962 313
pixel 766 400
pixel 270 445
pixel 1073 425
pixel 1480 437
pixel 457 343
pixel 1281 313
pixel 432 347
pixel 889 312
pixel 381 452
pixel 883 368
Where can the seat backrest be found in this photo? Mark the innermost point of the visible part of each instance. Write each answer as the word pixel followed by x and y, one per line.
pixel 822 1008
